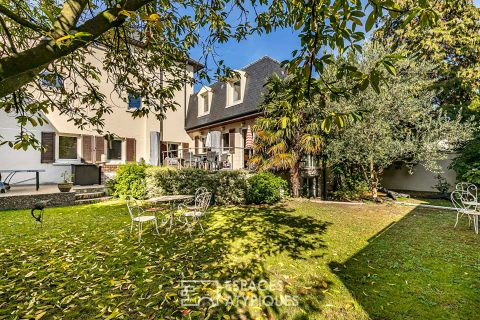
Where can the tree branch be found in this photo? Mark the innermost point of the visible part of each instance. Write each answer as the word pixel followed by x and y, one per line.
pixel 16 70
pixel 68 18
pixel 18 19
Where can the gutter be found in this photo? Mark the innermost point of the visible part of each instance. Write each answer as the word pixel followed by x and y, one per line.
pixel 224 121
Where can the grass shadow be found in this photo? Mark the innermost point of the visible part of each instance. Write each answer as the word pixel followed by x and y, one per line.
pixel 418 268
pixel 84 263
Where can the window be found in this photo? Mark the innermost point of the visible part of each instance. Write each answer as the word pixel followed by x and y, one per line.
pixel 226 141
pixel 204 143
pixel 205 102
pixel 51 80
pixel 114 151
pixel 237 93
pixel 67 148
pixel 134 101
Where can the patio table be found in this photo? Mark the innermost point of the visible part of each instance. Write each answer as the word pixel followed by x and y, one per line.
pixel 15 171
pixel 171 200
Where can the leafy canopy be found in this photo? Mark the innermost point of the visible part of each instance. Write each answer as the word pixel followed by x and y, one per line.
pixel 146 45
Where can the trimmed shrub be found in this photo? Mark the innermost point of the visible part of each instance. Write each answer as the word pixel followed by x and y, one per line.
pixel 228 187
pixel 130 181
pixel 265 188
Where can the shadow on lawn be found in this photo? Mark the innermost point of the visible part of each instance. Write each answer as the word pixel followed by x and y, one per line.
pixel 235 244
pixel 418 268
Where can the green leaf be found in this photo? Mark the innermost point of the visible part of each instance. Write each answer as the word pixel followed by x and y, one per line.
pixel 370 21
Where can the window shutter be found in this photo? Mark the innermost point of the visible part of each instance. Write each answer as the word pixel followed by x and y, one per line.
pixel 197 144
pixel 131 152
pixel 99 148
pixel 87 148
pixel 232 140
pixel 48 140
pixel 163 151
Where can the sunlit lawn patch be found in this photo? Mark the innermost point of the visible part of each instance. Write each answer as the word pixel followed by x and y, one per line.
pixel 339 261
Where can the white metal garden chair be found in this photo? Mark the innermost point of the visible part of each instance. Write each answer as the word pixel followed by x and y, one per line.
pixel 464 206
pixel 468 189
pixel 191 215
pixel 137 215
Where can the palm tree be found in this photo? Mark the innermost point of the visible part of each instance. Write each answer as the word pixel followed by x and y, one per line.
pixel 292 126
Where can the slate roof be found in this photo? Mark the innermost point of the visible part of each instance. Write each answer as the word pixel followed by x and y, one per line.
pixel 257 73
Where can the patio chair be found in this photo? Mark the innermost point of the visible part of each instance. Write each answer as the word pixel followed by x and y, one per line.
pixel 137 215
pixel 467 188
pixel 460 202
pixel 192 217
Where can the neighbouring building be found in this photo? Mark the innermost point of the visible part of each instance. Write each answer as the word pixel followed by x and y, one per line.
pixel 70 149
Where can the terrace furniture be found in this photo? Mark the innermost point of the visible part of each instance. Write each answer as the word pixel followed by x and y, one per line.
pixel 171 200
pixel 465 207
pixel 6 182
pixel 225 164
pixel 196 203
pixel 469 191
pixel 137 216
pixel 192 217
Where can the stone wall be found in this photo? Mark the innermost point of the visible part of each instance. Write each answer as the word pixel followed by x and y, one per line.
pixel 28 201
pixel 108 171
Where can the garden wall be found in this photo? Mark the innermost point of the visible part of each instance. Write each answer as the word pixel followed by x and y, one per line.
pixel 27 201
pixel 420 180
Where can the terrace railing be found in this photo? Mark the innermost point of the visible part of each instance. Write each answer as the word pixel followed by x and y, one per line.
pixel 228 158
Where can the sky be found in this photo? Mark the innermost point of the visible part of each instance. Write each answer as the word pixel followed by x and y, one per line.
pixel 278 45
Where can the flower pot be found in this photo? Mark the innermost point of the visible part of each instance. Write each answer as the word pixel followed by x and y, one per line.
pixel 65 187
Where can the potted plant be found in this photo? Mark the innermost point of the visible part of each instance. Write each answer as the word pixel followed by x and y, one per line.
pixel 66 184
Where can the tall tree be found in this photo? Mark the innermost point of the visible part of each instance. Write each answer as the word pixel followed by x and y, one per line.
pixel 400 125
pixel 291 126
pixel 452 45
pixel 148 38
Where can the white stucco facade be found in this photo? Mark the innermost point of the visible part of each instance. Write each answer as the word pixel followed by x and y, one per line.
pixel 120 122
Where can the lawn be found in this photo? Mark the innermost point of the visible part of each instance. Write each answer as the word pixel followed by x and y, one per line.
pixel 336 261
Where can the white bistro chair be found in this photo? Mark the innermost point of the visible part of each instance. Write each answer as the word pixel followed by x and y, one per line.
pixel 191 215
pixel 468 189
pixel 137 215
pixel 465 206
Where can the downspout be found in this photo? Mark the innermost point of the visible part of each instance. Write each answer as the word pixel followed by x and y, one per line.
pixel 161 128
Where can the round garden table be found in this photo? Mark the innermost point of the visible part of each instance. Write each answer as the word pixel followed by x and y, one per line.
pixel 172 200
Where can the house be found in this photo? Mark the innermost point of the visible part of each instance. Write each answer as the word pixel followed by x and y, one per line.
pixel 72 149
pixel 228 108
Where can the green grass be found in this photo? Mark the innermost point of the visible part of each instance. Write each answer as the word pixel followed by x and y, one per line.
pixel 338 261
pixel 434 202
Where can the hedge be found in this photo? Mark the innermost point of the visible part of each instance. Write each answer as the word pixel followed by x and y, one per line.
pixel 228 187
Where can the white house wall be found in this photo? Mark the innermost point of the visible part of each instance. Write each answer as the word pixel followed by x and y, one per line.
pixel 29 159
pixel 119 122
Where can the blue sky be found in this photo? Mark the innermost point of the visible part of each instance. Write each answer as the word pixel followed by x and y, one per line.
pixel 278 45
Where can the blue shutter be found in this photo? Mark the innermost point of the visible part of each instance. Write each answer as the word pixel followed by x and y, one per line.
pixel 134 101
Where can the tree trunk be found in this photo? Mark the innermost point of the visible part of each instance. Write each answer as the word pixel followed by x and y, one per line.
pixel 295 179
pixel 373 181
pixel 324 179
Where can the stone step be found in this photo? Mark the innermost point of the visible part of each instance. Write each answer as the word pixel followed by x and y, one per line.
pixel 90 201
pixel 89 195
pixel 89 189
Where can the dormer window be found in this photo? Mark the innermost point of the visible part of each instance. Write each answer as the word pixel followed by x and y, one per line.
pixel 237 91
pixel 206 105
pixel 235 88
pixel 204 97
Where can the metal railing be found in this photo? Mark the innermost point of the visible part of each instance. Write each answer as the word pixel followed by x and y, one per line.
pixel 223 159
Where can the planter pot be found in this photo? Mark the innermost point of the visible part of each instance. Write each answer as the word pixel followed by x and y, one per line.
pixel 65 187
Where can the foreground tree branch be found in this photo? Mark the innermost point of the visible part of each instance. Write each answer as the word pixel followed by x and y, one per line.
pixel 19 69
pixel 24 22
